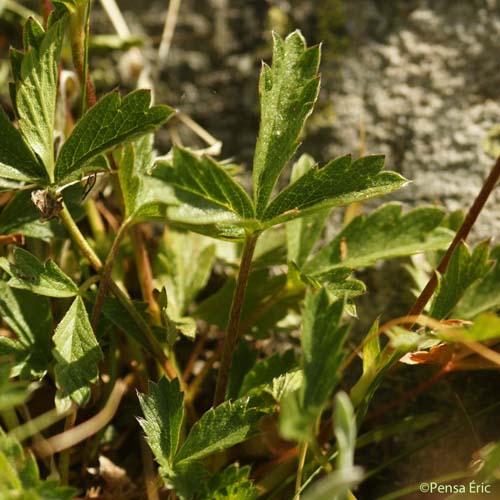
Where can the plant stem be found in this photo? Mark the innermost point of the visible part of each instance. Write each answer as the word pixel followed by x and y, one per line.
pixel 64 457
pixel 232 330
pixel 144 273
pixel 106 276
pixel 462 233
pixel 300 468
pixel 155 347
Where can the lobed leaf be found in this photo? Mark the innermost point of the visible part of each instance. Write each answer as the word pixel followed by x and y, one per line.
pixel 29 273
pixel 232 483
pixel 209 200
pixel 338 183
pixel 384 234
pixel 77 354
pixel 108 123
pixel 288 91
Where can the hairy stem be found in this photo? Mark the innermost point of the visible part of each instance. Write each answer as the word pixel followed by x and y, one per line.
pixel 122 297
pixel 462 233
pixel 232 330
pixel 106 276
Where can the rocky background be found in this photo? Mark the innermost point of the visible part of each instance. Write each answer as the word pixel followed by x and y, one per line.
pixel 415 80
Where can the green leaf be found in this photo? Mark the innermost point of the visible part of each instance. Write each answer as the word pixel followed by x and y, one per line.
pixel 143 195
pixel 163 410
pixel 30 317
pixel 219 429
pixel 209 200
pixel 16 158
pixel 485 327
pixel 322 341
pixel 340 182
pixel 28 273
pixel 12 393
pixel 77 354
pixel 263 372
pixel 36 93
pixel 20 476
pixel 302 233
pixel 483 295
pixel 288 91
pixel 232 483
pixel 110 122
pixel 174 269
pixel 384 234
pixel 464 269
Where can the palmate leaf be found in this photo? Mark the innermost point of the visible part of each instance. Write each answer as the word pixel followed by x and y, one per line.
pixel 288 91
pixel 218 429
pixel 30 317
pixel 17 161
pixel 209 200
pixel 464 269
pixel 76 353
pixel 163 409
pixel 29 273
pixel 36 92
pixel 384 234
pixel 110 122
pixel 338 183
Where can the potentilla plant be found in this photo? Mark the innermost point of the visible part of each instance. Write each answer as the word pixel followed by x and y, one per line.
pixel 87 327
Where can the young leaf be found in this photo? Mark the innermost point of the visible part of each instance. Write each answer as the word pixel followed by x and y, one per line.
pixel 384 234
pixel 302 233
pixel 484 295
pixel 16 158
pixel 143 195
pixel 36 93
pixel 110 122
pixel 288 91
pixel 30 317
pixel 163 410
pixel 29 273
pixel 210 201
pixel 219 429
pixel 338 183
pixel 463 271
pixel 76 353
